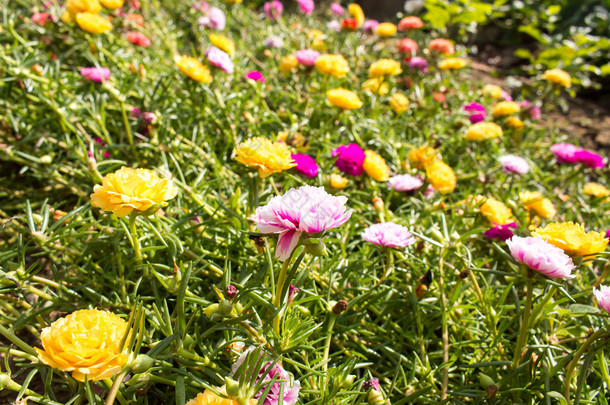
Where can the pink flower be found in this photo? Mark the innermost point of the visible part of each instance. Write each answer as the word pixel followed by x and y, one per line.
pixel 282 380
pixel 405 182
pixel 418 63
pixel 337 9
pixel 306 165
pixel 506 96
pixel 514 164
pixel 501 232
pixel 371 384
pixel 256 76
pixel 590 159
pixel 273 9
pixel 408 46
pixel 307 57
pixel 535 112
pixel 334 25
pixel 215 19
pixel 301 210
pixel 95 74
pixel 306 6
pixel 541 256
pixel 603 297
pixel 350 159
pixel 40 18
pixel 220 59
pixel 136 112
pixel 370 25
pixel 202 6
pixel 565 152
pixel 274 42
pixel 137 38
pixel 388 234
pixel 477 111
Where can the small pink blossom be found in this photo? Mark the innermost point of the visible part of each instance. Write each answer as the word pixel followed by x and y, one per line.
pixel 501 232
pixel 541 256
pixel 220 59
pixel 370 25
pixel 273 9
pixel 477 111
pixel 603 297
pixel 418 63
pixel 305 164
pixel 136 112
pixel 202 6
pixel 307 57
pixel 256 76
pixel 590 159
pixel 306 6
pixel 41 18
pixel 388 234
pixel 214 19
pixel 350 159
pixel 95 74
pixel 405 182
pixel 337 9
pixel 514 164
pixel 137 38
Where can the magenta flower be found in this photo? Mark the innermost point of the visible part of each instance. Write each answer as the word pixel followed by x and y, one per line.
pixel 214 19
pixel 405 182
pixel 590 159
pixel 220 59
pixel 307 57
pixel 274 42
pixel 136 112
pixel 350 159
pixel 477 111
pixel 291 392
pixel 273 9
pixel 95 74
pixel 306 6
pixel 565 152
pixel 418 63
pixel 607 233
pixel 501 232
pixel 337 9
pixel 603 297
pixel 370 25
pixel 541 256
pixel 41 18
pixel 256 76
pixel 388 234
pixel 371 384
pixel 514 164
pixel 301 210
pixel 306 165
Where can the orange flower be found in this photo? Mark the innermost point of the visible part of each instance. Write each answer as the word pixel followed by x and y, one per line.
pixel 410 23
pixel 442 45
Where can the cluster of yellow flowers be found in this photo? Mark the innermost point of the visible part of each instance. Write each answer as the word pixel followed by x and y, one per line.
pixel 440 175
pixel 384 67
pixel 505 108
pixel 452 63
pixel 558 77
pixel 86 14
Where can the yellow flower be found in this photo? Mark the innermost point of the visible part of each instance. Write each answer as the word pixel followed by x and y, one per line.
pixel 376 85
pixel 86 342
pixel 493 91
pixel 289 64
pixel 318 44
pixel 375 166
pixel 337 181
pixel 315 34
pixel 73 7
pixel 515 123
pixel 209 398
pixel 399 103
pixel 384 67
pixel 483 130
pixel 496 211
pixel 130 189
pixel 386 29
pixel 534 201
pixel 233 1
pixel 93 23
pixel 345 99
pixel 355 11
pixel 334 65
pixel 223 43
pixel 112 4
pixel 572 238
pixel 558 77
pixel 452 63
pixel 441 176
pixel 422 156
pixel 504 108
pixel 596 190
pixel 266 156
pixel 193 69
pixel 296 139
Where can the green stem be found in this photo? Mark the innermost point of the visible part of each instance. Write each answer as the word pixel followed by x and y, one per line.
pixel 135 240
pixel 329 330
pixel 524 322
pixel 540 306
pixel 445 328
pixel 277 300
pixel 128 129
pixel 115 387
pixel 572 365
pixel 389 266
pixel 18 342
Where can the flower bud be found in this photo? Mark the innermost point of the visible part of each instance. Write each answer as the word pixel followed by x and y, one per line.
pixel 225 307
pixel 378 204
pixel 485 380
pixel 46 160
pixel 464 274
pixel 371 384
pixel 232 387
pixel 292 291
pixel 142 363
pixel 231 291
pixel 349 380
pixel 376 398
pixel 316 247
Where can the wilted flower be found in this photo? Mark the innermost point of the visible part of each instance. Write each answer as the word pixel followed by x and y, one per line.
pixel 422 156
pixel 452 63
pixel 289 64
pixel 350 159
pixel 304 210
pixel 572 238
pixel 541 256
pixel 95 74
pixel 87 343
pixel 505 108
pixel 410 23
pixel 418 63
pixel 193 69
pixel 337 181
pixel 265 156
pixel 388 234
pixel 596 190
pixel 405 182
pixel 501 232
pixel 307 57
pixel 477 112
pixel 137 38
pixel 334 65
pixel 442 45
pixel 441 176
pixel 357 14
pixel 385 29
pixel 220 59
pixel 306 6
pixel 376 85
pixel 514 164
pixel 534 201
pixel 603 297
pixel 93 23
pixel 384 67
pixel 345 99
pixel 214 19
pixel 408 46
pixel 223 43
pixel 256 76
pixel 558 77
pixel 375 166
pixel 273 9
pixel 305 164
pixel 482 131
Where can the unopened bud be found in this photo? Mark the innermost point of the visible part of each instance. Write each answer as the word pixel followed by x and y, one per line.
pixel 485 380
pixel 378 204
pixel 231 291
pixel 142 363
pixel 225 307
pixel 232 387
pixel 464 273
pixel 46 160
pixel 376 398
pixel 371 384
pixel 339 307
pixel 316 247
pixel 436 234
pixel 292 291
pixel 348 382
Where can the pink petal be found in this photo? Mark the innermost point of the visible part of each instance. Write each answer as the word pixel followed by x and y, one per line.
pixel 286 244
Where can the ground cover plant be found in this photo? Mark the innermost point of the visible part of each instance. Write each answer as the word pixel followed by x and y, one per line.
pixel 236 203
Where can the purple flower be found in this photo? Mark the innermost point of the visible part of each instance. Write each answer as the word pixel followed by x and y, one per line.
pixel 215 19
pixel 388 234
pixel 590 159
pixel 477 111
pixel 220 59
pixel 256 76
pixel 274 42
pixel 405 182
pixel 291 392
pixel 541 256
pixel 307 57
pixel 371 384
pixel 292 292
pixel 418 63
pixel 273 9
pixel 306 165
pixel 607 233
pixel 603 297
pixel 95 74
pixel 337 9
pixel 565 152
pixel 501 232
pixel 370 25
pixel 306 6
pixel 514 164
pixel 350 159
pixel 300 210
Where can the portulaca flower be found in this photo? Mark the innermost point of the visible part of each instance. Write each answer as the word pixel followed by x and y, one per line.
pixel 514 164
pixel 405 182
pixel 603 296
pixel 388 234
pixel 541 256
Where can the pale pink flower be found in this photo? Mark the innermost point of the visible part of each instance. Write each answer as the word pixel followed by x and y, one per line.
pixel 215 19
pixel 274 42
pixel 541 256
pixel 273 9
pixel 405 182
pixel 370 25
pixel 388 234
pixel 514 164
pixel 306 6
pixel 334 25
pixel 220 59
pixel 301 210
pixel 337 9
pixel 95 74
pixel 307 57
pixel 603 297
